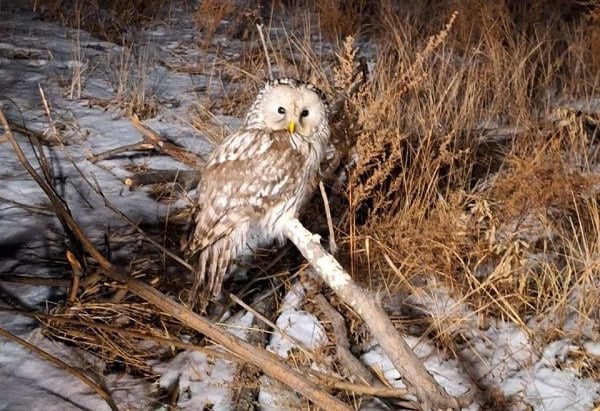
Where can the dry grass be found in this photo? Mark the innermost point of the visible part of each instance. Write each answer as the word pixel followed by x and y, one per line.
pixel 340 19
pixel 134 93
pixel 108 342
pixel 109 20
pixel 468 170
pixel 209 16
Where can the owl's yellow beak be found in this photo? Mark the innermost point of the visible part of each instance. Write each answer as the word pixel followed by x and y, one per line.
pixel 292 126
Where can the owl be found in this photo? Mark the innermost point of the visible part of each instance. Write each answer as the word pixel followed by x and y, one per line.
pixel 256 178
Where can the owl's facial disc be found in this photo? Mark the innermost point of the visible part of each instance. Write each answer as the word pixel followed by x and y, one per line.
pixel 297 110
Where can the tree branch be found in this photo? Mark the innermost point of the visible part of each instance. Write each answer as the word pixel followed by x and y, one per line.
pixel 429 393
pixel 151 141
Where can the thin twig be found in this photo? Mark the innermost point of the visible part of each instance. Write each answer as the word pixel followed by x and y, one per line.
pixel 299 344
pixel 187 179
pixel 383 392
pixel 63 365
pixel 265 49
pixel 47 110
pixel 76 267
pixel 332 244
pixel 151 141
pixel 173 150
pixel 143 146
pixel 40 152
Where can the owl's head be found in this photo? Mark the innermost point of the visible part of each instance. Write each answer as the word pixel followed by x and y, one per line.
pixel 288 104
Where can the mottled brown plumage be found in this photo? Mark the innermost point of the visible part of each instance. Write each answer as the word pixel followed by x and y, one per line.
pixel 255 177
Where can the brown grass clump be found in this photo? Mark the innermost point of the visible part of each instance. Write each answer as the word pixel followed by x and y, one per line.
pixel 109 20
pixel 468 170
pixel 340 19
pixel 134 91
pixel 100 327
pixel 209 16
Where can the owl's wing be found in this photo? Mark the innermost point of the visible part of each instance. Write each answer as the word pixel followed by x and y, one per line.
pixel 245 175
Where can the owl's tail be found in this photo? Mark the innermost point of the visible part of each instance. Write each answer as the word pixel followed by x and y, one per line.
pixel 211 265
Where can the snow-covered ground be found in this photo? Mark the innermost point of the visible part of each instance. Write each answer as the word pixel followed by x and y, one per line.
pixel 36 55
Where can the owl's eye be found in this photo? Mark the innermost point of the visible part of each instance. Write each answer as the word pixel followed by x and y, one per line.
pixel 281 110
pixel 304 113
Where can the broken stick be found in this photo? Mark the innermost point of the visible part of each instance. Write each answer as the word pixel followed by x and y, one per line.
pixel 151 141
